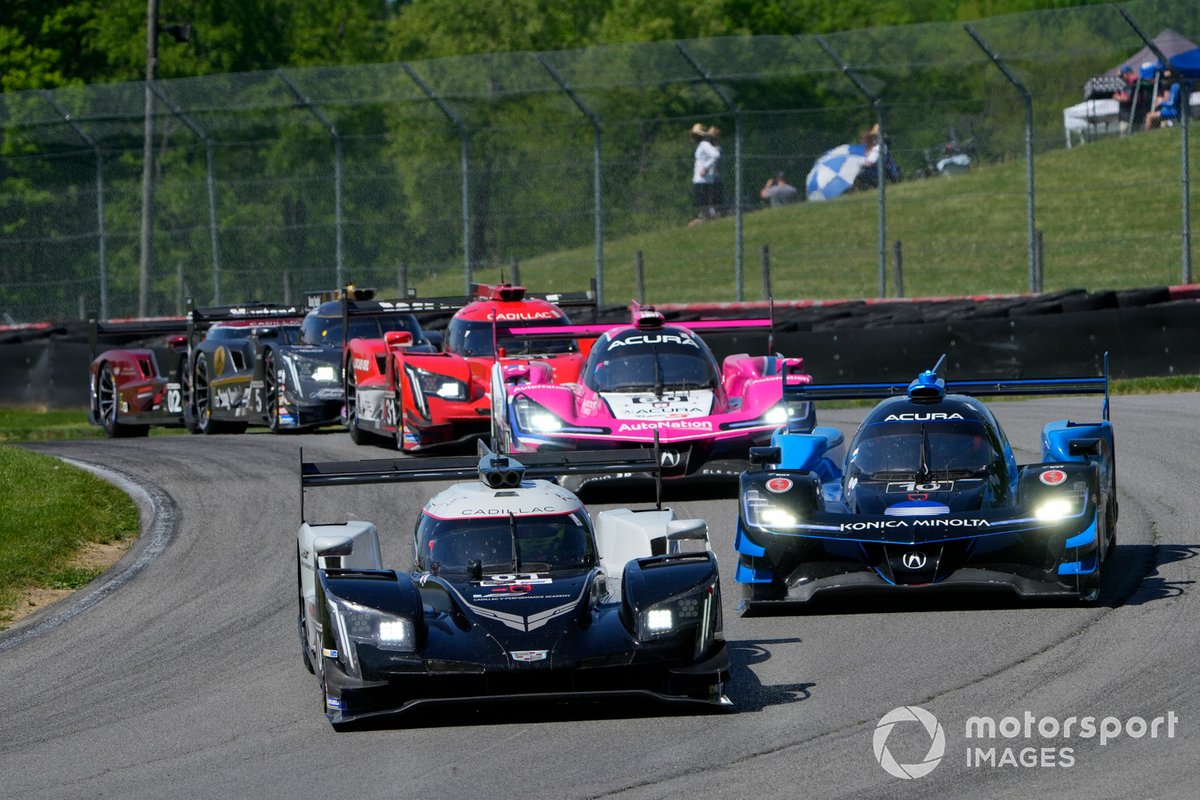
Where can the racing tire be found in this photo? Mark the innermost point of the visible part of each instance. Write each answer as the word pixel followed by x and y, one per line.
pixel 202 398
pixel 271 390
pixel 108 411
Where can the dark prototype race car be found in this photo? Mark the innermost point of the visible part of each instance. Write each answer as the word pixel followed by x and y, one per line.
pixel 929 496
pixel 216 364
pixel 516 593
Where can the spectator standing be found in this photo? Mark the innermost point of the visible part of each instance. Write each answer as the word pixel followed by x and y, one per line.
pixel 777 191
pixel 704 173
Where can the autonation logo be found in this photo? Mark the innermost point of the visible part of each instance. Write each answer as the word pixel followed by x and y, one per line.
pixel 1008 742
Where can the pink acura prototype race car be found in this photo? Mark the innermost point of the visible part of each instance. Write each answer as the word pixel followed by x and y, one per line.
pixel 651 379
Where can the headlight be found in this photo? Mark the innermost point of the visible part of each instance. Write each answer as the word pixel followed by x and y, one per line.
pixel 760 512
pixel 1054 509
pixel 694 610
pixel 442 386
pixel 310 369
pixel 777 415
pixel 356 624
pixel 533 417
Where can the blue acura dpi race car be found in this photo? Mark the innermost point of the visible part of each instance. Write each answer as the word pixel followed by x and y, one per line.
pixel 929 496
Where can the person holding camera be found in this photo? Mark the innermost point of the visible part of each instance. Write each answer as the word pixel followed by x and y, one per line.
pixel 777 191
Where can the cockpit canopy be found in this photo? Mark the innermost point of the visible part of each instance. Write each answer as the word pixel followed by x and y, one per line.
pixel 468 337
pixel 901 440
pixel 631 360
pixel 326 331
pixel 506 544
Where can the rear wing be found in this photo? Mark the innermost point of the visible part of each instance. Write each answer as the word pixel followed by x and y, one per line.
pixel 495 470
pixel 641 317
pixel 928 385
pixel 200 319
pixel 131 329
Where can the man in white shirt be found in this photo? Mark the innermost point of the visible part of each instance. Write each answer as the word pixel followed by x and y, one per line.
pixel 704 172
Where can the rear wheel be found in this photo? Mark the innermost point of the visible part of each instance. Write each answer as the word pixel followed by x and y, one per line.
pixel 108 402
pixel 203 401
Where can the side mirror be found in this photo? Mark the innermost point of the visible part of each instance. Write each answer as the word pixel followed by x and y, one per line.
pixel 687 529
pixel 333 546
pixel 398 338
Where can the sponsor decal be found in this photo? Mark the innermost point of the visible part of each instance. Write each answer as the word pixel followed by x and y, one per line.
pixel 1052 477
pixel 526 580
pixel 920 488
pixel 670 458
pixel 654 338
pixel 529 655
pixel 219 361
pixel 914 416
pixel 174 398
pixel 778 485
pixel 495 512
pixel 504 316
pixel 680 424
pixel 878 525
pixel 933 730
pixel 914 560
pixel 362 364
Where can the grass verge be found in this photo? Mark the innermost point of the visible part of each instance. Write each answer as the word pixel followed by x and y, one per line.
pixel 51 512
pixel 33 424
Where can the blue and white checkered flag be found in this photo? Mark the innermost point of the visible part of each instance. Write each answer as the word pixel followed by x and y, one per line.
pixel 835 171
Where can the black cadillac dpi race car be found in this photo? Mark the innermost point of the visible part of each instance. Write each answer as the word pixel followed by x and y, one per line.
pixel 516 593
pixel 929 496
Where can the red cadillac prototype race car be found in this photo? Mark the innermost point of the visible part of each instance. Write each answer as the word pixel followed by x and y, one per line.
pixel 418 400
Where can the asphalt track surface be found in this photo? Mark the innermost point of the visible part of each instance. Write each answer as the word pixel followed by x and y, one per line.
pixel 185 680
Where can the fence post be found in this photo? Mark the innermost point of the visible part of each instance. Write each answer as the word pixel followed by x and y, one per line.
pixel 1030 223
pixel 880 164
pixel 100 233
pixel 209 159
pixel 1185 174
pixel 764 260
pixel 402 278
pixel 1039 262
pixel 597 201
pixel 898 259
pixel 464 136
pixel 287 287
pixel 516 272
pixel 639 278
pixel 337 168
pixel 738 241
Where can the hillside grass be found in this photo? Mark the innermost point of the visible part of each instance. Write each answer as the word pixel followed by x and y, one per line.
pixel 35 424
pixel 51 510
pixel 1110 212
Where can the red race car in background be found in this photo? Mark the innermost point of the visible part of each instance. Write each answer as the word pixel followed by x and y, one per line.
pixel 420 400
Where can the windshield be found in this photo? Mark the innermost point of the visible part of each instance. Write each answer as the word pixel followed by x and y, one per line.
pixel 555 542
pixel 893 451
pixel 327 331
pixel 469 338
pixel 286 334
pixel 651 362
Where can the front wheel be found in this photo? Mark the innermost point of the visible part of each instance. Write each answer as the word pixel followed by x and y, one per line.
pixel 271 390
pixel 107 402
